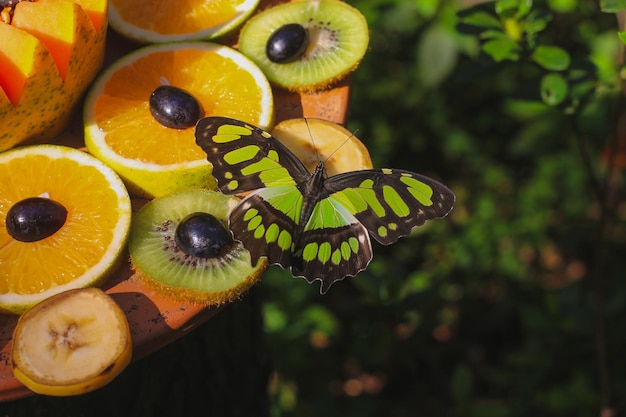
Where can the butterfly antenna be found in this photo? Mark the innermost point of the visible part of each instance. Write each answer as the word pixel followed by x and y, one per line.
pixel 353 134
pixel 317 155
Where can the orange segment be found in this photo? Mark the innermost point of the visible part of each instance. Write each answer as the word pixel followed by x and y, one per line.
pixel 162 21
pixel 120 130
pixel 90 241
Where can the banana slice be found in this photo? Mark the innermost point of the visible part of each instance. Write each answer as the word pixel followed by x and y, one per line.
pixel 71 343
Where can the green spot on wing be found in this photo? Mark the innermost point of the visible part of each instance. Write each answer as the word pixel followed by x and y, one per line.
pixel 230 133
pixel 336 257
pixel 272 233
pixel 255 222
pixel 382 231
pixel 284 240
pixel 346 252
pixel 422 192
pixel 240 155
pixel 259 232
pixel 323 253
pixel 309 252
pixel 354 244
pixel 250 213
pixel 396 202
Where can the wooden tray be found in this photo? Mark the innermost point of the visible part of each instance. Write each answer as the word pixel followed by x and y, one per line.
pixel 155 320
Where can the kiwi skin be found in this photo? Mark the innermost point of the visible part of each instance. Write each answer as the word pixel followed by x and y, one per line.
pixel 164 268
pixel 338 40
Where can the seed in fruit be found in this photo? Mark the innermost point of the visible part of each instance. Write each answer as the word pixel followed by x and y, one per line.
pixel 35 218
pixel 174 107
pixel 288 43
pixel 167 249
pixel 202 235
pixel 337 39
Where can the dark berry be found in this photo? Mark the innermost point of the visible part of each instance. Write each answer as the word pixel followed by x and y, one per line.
pixel 35 218
pixel 174 107
pixel 287 43
pixel 203 236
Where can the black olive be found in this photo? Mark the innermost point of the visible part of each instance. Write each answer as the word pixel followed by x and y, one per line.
pixel 202 235
pixel 287 43
pixel 174 107
pixel 35 218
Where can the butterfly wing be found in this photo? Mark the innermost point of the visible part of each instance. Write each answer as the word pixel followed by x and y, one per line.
pixel 390 202
pixel 245 157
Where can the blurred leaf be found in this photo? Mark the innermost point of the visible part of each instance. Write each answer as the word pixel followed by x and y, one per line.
pixel 612 6
pixel 436 56
pixel 462 382
pixel 515 9
pixel 622 36
pixel 563 6
pixel 502 49
pixel 553 89
pixel 551 58
pixel 482 19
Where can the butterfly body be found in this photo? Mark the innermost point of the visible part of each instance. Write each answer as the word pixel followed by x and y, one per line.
pixel 316 226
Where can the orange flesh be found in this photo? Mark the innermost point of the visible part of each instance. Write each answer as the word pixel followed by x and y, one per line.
pixel 173 17
pixel 92 215
pixel 122 110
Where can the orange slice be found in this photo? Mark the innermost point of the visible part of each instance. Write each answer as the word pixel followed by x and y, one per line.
pixel 154 21
pixel 89 243
pixel 155 160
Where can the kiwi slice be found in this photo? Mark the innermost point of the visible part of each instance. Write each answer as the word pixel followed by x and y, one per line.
pixel 306 45
pixel 180 246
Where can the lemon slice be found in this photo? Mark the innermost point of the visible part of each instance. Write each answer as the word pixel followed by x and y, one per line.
pixel 155 160
pixel 91 239
pixel 154 21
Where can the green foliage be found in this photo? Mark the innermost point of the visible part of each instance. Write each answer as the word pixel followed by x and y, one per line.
pixel 494 310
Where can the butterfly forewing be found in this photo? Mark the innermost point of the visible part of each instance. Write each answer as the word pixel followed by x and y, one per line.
pixel 245 157
pixel 390 202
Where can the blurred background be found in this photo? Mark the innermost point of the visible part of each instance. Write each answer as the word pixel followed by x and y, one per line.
pixel 512 306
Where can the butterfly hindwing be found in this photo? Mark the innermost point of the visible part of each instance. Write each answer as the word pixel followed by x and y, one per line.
pixel 245 157
pixel 390 202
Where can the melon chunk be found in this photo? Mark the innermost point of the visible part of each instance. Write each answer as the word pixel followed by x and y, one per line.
pixel 49 54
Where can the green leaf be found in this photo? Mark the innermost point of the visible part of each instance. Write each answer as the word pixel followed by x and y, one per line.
pixel 513 8
pixel 551 58
pixel 563 6
pixel 502 49
pixel 612 6
pixel 482 19
pixel 622 36
pixel 554 89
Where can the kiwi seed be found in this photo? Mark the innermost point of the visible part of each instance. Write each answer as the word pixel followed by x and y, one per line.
pixel 337 39
pixel 214 276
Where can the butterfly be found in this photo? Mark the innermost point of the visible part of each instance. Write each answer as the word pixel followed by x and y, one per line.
pixel 318 227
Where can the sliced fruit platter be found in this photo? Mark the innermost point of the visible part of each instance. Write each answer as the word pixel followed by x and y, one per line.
pixel 86 166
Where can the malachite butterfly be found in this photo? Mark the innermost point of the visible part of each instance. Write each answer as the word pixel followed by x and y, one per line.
pixel 316 226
